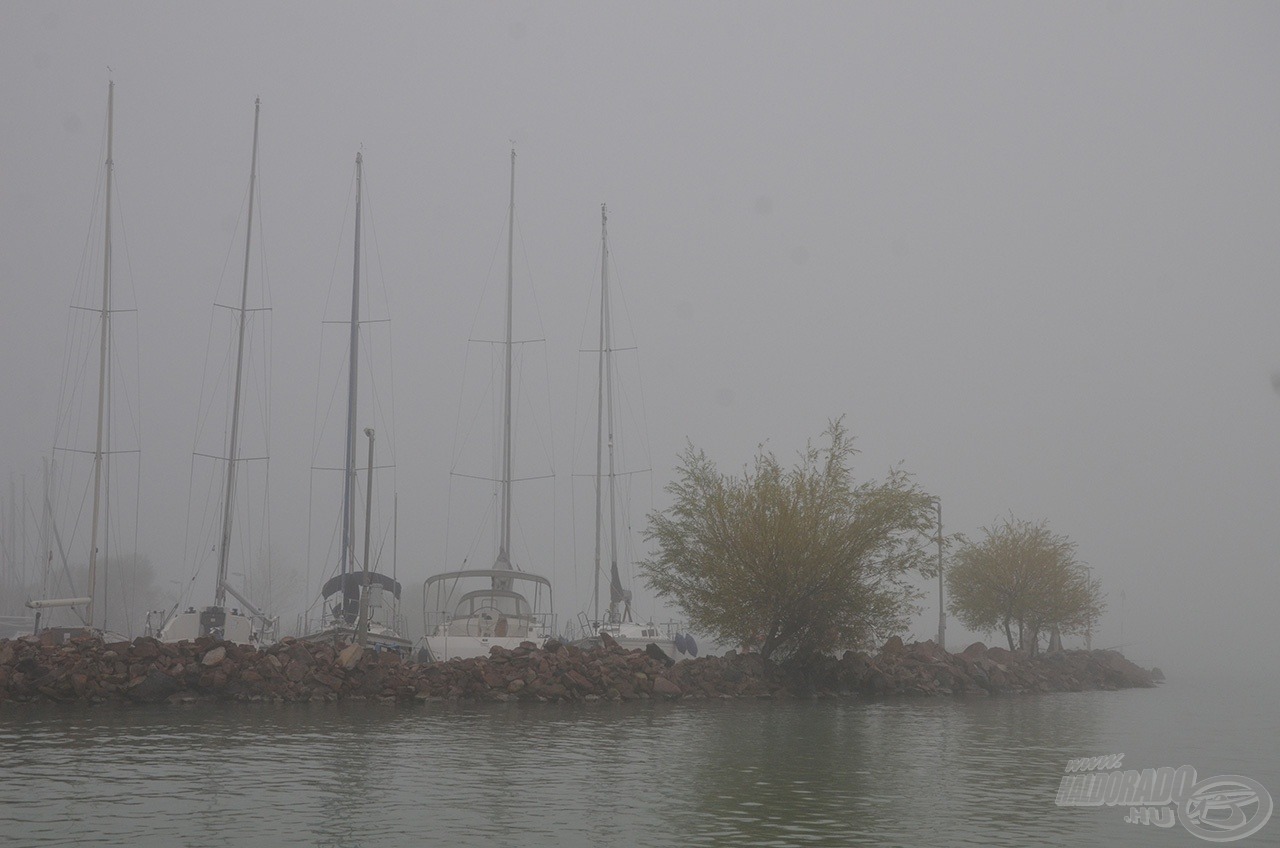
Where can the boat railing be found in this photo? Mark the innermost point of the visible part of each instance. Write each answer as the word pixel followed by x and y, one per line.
pixel 488 592
pixel 536 626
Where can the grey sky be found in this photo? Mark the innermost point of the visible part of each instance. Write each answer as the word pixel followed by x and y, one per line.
pixel 1030 250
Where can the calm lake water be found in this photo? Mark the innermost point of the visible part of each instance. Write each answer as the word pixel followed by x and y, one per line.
pixel 760 773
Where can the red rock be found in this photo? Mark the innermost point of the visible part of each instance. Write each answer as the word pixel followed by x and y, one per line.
pixel 144 648
pixel 579 681
pixel 665 687
pixel 329 680
pixel 300 652
pixel 295 671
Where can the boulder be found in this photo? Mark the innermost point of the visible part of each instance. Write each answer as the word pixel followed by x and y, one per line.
pixel 144 647
pixel 656 653
pixel 1000 655
pixel 298 652
pixel 666 688
pixel 152 689
pixel 351 655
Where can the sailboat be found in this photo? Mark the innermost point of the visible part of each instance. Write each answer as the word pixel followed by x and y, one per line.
pixel 617 622
pixel 359 604
pixel 250 625
pixel 99 520
pixel 470 611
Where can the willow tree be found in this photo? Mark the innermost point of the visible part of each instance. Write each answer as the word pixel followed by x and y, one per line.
pixel 798 561
pixel 1022 577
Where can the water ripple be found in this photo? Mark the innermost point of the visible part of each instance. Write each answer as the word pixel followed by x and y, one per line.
pixel 927 772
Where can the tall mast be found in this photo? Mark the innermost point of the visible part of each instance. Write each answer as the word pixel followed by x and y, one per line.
pixel 615 582
pixel 46 522
pixel 224 549
pixel 46 545
pixel 600 371
pixel 349 481
pixel 504 541
pixel 604 435
pixel 102 364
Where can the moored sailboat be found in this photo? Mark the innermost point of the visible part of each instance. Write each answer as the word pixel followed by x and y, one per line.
pixel 250 625
pixel 617 621
pixel 468 612
pixel 99 524
pixel 358 604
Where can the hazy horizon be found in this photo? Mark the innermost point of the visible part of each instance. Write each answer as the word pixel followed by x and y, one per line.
pixel 1027 250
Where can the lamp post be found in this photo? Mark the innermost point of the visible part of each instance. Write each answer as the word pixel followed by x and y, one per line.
pixel 942 610
pixel 1088 633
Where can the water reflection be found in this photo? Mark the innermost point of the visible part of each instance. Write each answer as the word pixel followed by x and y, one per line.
pixel 905 772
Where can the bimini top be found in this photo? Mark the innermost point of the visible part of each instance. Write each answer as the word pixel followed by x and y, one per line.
pixel 501 573
pixel 349 584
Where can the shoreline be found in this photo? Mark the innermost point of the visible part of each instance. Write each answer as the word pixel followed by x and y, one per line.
pixel 89 671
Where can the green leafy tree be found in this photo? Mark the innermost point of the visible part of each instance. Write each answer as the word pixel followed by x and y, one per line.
pixel 1023 578
pixel 798 561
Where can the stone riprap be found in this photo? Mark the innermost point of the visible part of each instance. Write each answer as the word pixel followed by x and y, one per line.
pixel 88 670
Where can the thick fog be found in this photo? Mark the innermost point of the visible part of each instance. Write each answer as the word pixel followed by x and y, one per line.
pixel 1031 251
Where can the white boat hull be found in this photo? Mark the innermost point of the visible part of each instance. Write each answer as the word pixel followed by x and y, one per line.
pixel 221 623
pixel 456 647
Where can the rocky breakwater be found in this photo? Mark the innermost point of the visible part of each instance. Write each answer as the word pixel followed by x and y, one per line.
pixel 146 671
pixel 923 668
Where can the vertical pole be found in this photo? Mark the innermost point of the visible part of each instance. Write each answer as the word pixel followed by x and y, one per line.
pixel 942 610
pixel 604 253
pixel 504 542
pixel 224 548
pixel 11 534
pixel 362 626
pixel 23 513
pixel 46 520
pixel 395 549
pixel 614 582
pixel 102 363
pixel 349 479
pixel 1088 633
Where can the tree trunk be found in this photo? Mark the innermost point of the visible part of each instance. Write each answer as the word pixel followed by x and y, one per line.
pixel 1008 633
pixel 770 643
